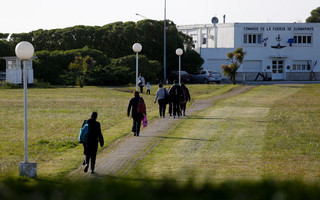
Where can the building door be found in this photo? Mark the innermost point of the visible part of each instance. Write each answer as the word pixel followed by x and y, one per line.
pixel 277 69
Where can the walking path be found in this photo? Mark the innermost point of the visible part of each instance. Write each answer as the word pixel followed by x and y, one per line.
pixel 118 159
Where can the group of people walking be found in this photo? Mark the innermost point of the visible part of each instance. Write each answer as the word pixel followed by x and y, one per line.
pixel 176 96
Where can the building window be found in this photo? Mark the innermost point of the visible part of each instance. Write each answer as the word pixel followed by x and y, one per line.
pixel 303 39
pixel 252 38
pixel 204 40
pixel 301 66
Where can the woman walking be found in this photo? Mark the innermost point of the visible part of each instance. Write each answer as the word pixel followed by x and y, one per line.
pixel 136 114
pixel 162 94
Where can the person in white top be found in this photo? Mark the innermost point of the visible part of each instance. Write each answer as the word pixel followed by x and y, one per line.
pixel 141 83
pixel 162 94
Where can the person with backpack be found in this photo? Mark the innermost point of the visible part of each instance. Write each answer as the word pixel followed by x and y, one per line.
pixel 162 94
pixel 137 108
pixel 186 97
pixel 94 136
pixel 83 138
pixel 176 95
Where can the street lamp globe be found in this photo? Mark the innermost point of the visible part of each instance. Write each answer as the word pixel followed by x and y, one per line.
pixel 24 50
pixel 137 47
pixel 179 52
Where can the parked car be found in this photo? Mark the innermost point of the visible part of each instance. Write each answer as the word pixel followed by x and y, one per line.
pixel 206 76
pixel 174 75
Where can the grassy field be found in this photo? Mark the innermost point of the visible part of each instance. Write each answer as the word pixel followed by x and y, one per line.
pixel 263 144
pixel 269 132
pixel 54 119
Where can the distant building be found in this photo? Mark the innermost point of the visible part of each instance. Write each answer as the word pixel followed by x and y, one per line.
pixel 279 51
pixel 14 70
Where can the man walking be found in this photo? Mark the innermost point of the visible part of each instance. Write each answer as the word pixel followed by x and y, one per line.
pixel 94 136
pixel 176 95
pixel 186 97
pixel 141 82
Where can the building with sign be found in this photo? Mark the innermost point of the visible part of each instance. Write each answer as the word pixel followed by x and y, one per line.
pixel 274 51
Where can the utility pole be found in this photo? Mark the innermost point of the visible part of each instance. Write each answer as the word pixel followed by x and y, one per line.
pixel 165 46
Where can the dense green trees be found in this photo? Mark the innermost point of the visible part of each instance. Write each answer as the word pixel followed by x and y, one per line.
pixel 315 16
pixel 6 49
pixel 52 66
pixel 57 48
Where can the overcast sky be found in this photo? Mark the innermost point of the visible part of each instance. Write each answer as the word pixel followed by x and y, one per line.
pixel 17 16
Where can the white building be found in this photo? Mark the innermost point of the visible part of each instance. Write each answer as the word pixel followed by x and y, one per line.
pixel 14 72
pixel 279 51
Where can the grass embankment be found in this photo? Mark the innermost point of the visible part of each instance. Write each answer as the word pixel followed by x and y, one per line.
pixel 271 131
pixel 54 119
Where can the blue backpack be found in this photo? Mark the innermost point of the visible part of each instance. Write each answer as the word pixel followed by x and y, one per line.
pixel 83 134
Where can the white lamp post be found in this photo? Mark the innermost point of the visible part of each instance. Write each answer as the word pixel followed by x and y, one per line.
pixel 165 45
pixel 137 48
pixel 179 52
pixel 24 51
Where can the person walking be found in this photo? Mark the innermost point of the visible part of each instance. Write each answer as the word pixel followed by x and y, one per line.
pixel 186 97
pixel 94 136
pixel 176 95
pixel 136 116
pixel 169 103
pixel 148 86
pixel 162 94
pixel 141 82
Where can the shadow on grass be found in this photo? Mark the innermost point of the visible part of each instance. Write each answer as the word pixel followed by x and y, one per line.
pixel 180 138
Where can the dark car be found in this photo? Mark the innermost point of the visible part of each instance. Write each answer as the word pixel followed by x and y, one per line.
pixel 174 75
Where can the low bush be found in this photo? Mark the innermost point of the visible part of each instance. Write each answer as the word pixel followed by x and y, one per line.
pixel 161 189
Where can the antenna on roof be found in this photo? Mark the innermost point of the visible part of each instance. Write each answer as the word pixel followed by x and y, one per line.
pixel 215 20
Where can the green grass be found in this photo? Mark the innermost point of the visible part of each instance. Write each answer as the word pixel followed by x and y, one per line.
pixel 269 132
pixel 293 136
pixel 54 119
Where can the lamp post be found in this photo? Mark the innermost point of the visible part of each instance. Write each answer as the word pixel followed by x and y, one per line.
pixel 164 45
pixel 24 51
pixel 137 48
pixel 141 15
pixel 179 52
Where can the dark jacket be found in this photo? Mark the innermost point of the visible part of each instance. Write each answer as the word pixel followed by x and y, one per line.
pixel 186 93
pixel 94 136
pixel 133 105
pixel 176 93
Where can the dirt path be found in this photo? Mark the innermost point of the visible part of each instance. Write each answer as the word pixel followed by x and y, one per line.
pixel 119 158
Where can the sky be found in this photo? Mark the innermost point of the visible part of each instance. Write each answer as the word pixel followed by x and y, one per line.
pixel 21 16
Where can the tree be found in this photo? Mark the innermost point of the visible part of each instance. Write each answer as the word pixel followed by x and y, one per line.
pixel 79 68
pixel 6 49
pixel 235 58
pixel 315 16
pixel 114 40
pixel 51 66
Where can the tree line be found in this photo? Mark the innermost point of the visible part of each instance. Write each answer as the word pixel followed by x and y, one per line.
pixel 110 46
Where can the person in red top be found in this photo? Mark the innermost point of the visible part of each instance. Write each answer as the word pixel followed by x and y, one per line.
pixel 137 117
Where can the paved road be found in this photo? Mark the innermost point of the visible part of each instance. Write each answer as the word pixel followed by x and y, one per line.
pixel 118 159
